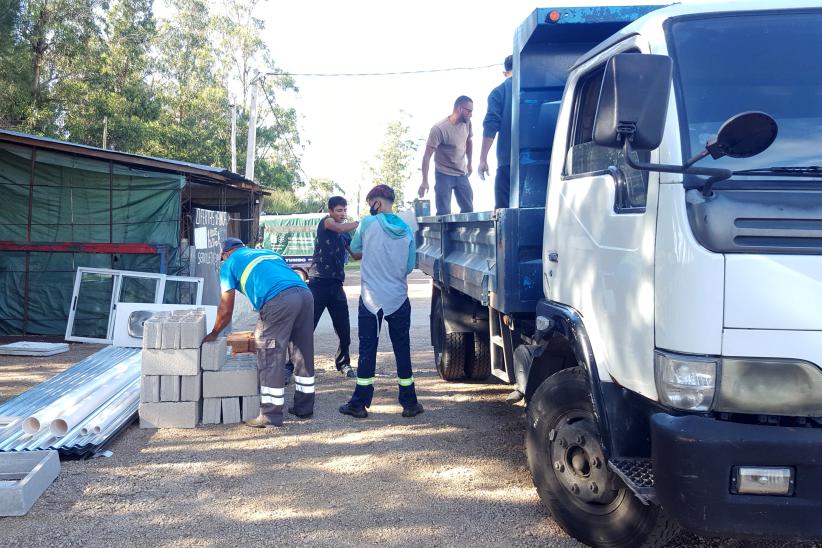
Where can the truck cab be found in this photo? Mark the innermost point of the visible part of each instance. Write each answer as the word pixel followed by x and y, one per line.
pixel 672 364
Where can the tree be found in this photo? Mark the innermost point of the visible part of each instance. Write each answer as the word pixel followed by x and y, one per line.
pixel 394 159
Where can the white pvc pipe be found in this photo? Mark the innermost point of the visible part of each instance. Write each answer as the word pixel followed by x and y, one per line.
pixel 99 425
pixel 71 416
pixel 42 419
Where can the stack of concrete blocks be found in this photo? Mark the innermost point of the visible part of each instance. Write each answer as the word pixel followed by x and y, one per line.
pixel 230 391
pixel 171 382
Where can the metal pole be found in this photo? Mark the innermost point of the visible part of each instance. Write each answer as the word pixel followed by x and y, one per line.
pixel 252 131
pixel 233 138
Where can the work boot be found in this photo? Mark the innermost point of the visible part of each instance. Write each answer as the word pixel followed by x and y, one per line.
pixel 356 412
pixel 349 372
pixel 412 411
pixel 305 416
pixel 261 421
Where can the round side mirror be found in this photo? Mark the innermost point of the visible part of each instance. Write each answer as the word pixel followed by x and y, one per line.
pixel 743 135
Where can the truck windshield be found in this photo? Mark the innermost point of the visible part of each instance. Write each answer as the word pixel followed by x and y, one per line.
pixel 769 62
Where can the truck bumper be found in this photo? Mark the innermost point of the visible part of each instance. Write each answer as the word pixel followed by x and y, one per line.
pixel 693 460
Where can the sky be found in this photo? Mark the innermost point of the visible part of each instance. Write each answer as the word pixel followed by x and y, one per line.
pixel 342 120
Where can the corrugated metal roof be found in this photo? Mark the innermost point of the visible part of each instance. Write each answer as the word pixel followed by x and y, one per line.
pixel 218 174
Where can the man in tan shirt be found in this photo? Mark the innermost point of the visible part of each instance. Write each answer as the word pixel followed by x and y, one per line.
pixel 450 143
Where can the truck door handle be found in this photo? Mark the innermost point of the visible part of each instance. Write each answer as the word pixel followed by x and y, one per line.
pixel 553 257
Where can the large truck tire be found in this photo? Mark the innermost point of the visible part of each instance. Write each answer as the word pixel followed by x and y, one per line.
pixel 451 350
pixel 571 474
pixel 479 367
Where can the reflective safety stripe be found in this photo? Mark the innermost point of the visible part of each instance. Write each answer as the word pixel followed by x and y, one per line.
pixel 265 390
pixel 406 382
pixel 305 389
pixel 272 400
pixel 304 380
pixel 365 382
pixel 250 267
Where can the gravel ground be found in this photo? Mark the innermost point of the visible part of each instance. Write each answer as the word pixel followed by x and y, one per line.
pixel 453 476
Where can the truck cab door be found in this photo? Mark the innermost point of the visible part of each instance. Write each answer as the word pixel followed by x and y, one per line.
pixel 600 233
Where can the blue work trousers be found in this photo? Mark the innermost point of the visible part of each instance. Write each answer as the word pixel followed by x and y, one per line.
pixel 399 327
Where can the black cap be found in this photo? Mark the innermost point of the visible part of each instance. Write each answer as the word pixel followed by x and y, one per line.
pixel 232 243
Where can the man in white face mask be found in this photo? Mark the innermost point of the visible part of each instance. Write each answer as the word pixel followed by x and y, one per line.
pixel 386 245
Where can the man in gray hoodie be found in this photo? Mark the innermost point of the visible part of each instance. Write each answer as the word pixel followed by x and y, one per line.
pixel 386 245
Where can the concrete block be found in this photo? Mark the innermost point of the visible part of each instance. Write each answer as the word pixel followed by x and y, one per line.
pixel 171 334
pixel 182 414
pixel 23 478
pixel 169 388
pixel 150 389
pixel 212 357
pixel 182 361
pixel 212 408
pixel 250 407
pixel 153 333
pixel 231 410
pixel 192 331
pixel 191 387
pixel 229 383
pixel 180 312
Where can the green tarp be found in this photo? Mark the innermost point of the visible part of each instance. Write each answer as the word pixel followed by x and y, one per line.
pixel 76 200
pixel 290 235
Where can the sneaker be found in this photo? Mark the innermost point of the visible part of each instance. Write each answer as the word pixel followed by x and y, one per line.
pixel 304 416
pixel 412 411
pixel 356 412
pixel 261 422
pixel 349 372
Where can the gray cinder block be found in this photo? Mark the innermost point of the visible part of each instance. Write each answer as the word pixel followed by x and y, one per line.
pixel 153 333
pixel 231 410
pixel 250 407
pixel 150 389
pixel 182 361
pixel 171 334
pixel 212 356
pixel 181 414
pixel 229 383
pixel 192 331
pixel 169 388
pixel 191 387
pixel 211 410
pixel 23 478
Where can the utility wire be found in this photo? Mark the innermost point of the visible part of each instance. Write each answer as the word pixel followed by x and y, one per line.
pixel 394 73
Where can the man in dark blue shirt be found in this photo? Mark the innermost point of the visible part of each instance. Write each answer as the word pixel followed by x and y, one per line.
pixel 498 121
pixel 327 274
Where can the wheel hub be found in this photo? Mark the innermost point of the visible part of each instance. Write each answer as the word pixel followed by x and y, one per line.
pixel 579 462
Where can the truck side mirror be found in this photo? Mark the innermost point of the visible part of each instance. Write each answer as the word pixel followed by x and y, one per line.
pixel 633 101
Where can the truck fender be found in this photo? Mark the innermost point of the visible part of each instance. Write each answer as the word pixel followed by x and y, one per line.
pixel 460 313
pixel 565 344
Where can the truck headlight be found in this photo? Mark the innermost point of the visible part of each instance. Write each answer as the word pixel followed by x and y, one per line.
pixel 685 382
pixel 769 386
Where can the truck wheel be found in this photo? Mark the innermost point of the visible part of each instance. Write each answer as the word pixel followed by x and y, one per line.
pixel 479 367
pixel 450 349
pixel 571 474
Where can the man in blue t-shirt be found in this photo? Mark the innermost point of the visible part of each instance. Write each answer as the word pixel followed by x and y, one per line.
pixel 286 310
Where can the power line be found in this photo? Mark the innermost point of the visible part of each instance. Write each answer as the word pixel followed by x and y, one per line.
pixel 394 73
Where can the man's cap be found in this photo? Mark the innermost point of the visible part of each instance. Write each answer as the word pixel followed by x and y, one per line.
pixel 381 191
pixel 232 243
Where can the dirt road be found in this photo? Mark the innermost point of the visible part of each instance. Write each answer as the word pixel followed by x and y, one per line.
pixel 453 476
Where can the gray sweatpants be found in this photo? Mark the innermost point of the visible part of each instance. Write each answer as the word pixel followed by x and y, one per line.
pixel 444 185
pixel 286 322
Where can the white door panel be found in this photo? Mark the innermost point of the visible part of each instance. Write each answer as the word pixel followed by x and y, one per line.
pixel 605 271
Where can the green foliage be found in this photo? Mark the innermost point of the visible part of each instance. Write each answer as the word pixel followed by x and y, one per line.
pixel 79 69
pixel 394 159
